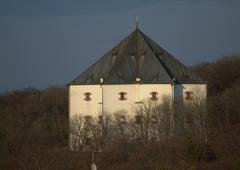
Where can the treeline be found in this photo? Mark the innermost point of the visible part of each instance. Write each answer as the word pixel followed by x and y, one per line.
pixel 31 122
pixel 223 77
pixel 34 131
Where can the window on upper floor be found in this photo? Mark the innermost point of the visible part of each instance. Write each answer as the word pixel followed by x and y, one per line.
pixel 122 96
pixel 154 95
pixel 87 96
pixel 188 95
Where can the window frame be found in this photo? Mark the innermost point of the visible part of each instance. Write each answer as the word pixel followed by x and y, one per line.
pixel 188 95
pixel 87 96
pixel 154 95
pixel 122 96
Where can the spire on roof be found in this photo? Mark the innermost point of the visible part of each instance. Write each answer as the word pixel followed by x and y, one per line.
pixel 137 22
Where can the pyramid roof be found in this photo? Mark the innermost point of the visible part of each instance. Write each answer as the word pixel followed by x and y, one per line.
pixel 137 56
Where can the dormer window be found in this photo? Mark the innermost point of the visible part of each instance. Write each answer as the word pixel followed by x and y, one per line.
pixel 87 96
pixel 188 95
pixel 122 96
pixel 154 95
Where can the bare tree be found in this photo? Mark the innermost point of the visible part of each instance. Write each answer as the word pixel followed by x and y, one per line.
pixel 85 133
pixel 121 119
pixel 77 134
pixel 195 117
pixel 153 120
pixel 165 119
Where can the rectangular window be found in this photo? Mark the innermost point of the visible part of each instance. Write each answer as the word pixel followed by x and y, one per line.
pixel 122 96
pixel 88 119
pixel 122 119
pixel 154 119
pixel 87 96
pixel 188 95
pixel 138 119
pixel 154 95
pixel 100 119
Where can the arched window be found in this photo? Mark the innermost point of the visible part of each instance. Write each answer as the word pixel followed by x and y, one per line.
pixel 188 95
pixel 122 96
pixel 87 96
pixel 154 95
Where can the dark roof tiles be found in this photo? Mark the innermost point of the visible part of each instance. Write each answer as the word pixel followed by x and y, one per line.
pixel 137 56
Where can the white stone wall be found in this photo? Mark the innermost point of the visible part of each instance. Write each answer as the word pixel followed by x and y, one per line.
pixel 77 104
pixel 111 102
pixel 199 90
pixel 135 93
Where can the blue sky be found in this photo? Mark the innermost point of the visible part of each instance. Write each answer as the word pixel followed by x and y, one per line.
pixel 49 42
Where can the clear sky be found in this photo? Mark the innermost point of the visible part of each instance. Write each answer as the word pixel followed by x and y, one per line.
pixel 50 42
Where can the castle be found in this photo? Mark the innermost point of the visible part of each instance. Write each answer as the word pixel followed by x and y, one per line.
pixel 135 70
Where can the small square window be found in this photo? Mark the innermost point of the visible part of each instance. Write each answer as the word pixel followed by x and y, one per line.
pixel 88 141
pixel 138 119
pixel 154 95
pixel 122 119
pixel 88 119
pixel 87 96
pixel 188 95
pixel 122 96
pixel 154 119
pixel 100 119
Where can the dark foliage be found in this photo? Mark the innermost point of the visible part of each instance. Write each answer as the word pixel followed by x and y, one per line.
pixel 220 75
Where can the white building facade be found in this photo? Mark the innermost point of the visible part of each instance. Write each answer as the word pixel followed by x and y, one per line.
pixel 107 98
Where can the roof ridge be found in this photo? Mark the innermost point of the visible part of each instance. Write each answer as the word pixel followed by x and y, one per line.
pixel 120 43
pixel 160 62
pixel 179 63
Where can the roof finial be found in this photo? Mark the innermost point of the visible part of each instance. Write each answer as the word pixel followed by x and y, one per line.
pixel 137 22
